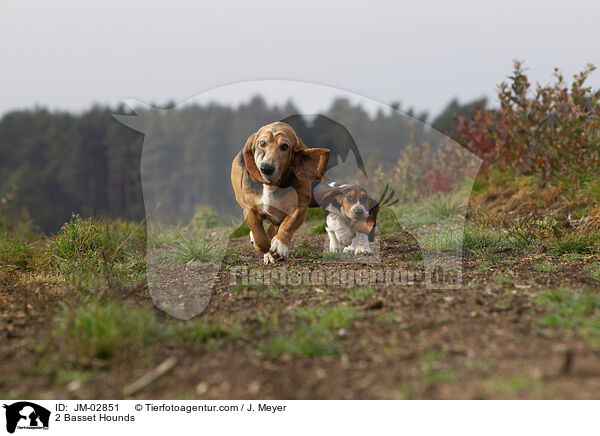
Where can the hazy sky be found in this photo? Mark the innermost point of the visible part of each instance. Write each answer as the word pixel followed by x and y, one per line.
pixel 69 54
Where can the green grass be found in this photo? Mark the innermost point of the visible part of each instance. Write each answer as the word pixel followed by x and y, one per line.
pixel 512 386
pixel 337 317
pixel 410 215
pixel 361 293
pixel 442 319
pixel 482 238
pixel 505 301
pixel 443 240
pixel 545 267
pixel 314 213
pixel 387 222
pixel 330 255
pixel 87 331
pixel 92 253
pixel 314 335
pixel 415 257
pixel 248 286
pixel 310 340
pixel 160 236
pixel 504 280
pixel 95 329
pixel 240 230
pixel 595 273
pixel 206 218
pixel 431 365
pixel 273 292
pixel 444 207
pixel 196 332
pixel 200 248
pixel 15 250
pixel 269 322
pixel 318 229
pixel 385 318
pixel 576 243
pixel 578 311
pixel 306 251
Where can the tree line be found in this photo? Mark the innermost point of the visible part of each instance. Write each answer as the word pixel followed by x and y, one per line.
pixel 57 163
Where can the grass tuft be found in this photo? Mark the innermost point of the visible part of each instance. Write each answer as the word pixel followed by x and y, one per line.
pixel 200 248
pixel 315 333
pixel 362 292
pixel 91 253
pixel 578 243
pixel 577 311
pixel 306 251
pixel 545 267
pixel 92 330
pixel 15 250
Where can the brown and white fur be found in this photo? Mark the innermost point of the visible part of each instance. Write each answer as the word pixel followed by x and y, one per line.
pixel 271 179
pixel 350 216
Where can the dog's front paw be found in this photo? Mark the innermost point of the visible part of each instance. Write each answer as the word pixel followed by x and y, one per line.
pixel 345 238
pixel 268 259
pixel 365 251
pixel 361 245
pixel 349 249
pixel 335 247
pixel 279 251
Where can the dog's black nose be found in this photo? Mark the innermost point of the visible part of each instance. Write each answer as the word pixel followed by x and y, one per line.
pixel 267 169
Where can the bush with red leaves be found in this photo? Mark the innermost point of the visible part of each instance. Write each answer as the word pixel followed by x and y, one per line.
pixel 553 131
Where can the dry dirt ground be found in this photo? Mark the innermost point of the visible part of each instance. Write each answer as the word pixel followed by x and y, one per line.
pixel 480 341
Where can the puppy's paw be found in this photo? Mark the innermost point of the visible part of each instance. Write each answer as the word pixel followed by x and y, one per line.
pixel 349 249
pixel 279 251
pixel 335 247
pixel 268 259
pixel 345 238
pixel 364 251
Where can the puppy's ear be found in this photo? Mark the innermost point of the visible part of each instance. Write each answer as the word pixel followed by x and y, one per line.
pixel 368 225
pixel 310 164
pixel 331 196
pixel 249 159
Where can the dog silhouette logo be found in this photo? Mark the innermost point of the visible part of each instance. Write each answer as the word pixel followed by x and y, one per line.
pixel 26 415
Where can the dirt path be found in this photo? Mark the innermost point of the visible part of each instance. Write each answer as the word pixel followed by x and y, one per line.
pixel 481 341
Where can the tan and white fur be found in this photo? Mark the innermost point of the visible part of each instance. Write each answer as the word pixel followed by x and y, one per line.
pixel 271 180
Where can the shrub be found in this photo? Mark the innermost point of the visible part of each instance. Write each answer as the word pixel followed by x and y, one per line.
pixel 553 132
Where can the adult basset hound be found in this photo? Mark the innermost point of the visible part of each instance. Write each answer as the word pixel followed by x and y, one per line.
pixel 271 178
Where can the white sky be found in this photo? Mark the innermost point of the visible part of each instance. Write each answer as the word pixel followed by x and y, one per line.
pixel 69 54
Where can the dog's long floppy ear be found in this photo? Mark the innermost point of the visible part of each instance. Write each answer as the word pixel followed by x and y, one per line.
pixel 368 225
pixel 310 164
pixel 249 160
pixel 331 196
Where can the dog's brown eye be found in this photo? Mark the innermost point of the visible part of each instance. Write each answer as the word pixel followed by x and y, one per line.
pixel 284 147
pixel 262 143
pixel 349 198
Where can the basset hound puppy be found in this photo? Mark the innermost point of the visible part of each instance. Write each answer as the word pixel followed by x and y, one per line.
pixel 350 216
pixel 271 178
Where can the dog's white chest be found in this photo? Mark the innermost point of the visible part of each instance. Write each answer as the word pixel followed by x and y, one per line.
pixel 277 203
